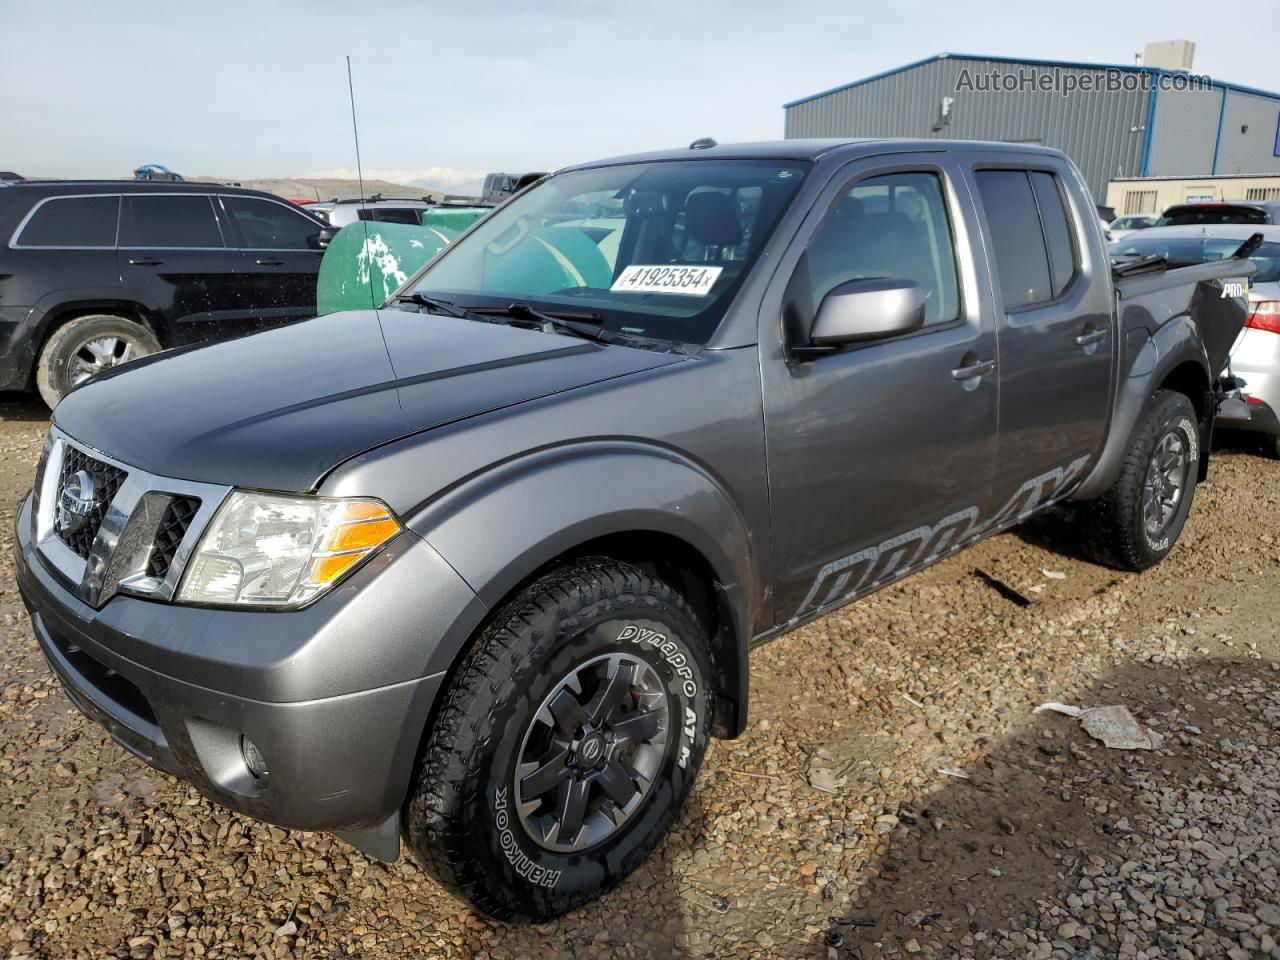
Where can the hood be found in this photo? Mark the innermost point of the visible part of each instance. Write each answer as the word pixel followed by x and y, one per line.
pixel 278 410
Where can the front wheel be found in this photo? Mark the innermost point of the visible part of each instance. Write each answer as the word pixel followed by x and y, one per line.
pixel 86 346
pixel 1135 524
pixel 567 742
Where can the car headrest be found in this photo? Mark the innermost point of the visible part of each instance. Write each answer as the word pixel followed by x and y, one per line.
pixel 645 203
pixel 851 209
pixel 712 218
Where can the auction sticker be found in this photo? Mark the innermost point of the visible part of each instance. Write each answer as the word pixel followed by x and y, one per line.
pixel 695 281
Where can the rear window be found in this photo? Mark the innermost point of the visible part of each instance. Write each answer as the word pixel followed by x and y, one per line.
pixel 1030 235
pixel 409 215
pixel 169 221
pixel 72 222
pixel 1210 213
pixel 1188 251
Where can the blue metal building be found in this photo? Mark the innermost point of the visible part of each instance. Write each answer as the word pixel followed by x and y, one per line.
pixel 1114 121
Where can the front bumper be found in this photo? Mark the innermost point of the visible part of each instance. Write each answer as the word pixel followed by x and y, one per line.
pixel 336 696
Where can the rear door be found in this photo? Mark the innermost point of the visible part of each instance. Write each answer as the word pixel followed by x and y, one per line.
pixel 1056 337
pixel 880 455
pixel 174 261
pixel 278 242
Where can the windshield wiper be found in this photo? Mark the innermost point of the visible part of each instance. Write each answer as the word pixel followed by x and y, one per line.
pixel 433 303
pixel 584 325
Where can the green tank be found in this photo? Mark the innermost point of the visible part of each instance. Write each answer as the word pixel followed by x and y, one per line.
pixel 368 260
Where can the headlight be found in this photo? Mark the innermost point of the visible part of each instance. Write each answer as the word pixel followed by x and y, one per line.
pixel 265 549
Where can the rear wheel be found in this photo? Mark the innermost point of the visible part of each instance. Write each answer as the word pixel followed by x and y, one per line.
pixel 567 742
pixel 86 346
pixel 1135 524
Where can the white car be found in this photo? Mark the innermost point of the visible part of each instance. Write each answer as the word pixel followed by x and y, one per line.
pixel 1121 227
pixel 1255 357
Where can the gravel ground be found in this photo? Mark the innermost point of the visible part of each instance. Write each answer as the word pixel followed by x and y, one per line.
pixel 1047 844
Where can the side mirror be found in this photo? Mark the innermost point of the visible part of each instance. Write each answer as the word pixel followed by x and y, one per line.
pixel 322 239
pixel 869 309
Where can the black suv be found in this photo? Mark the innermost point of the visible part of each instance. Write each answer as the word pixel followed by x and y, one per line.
pixel 94 274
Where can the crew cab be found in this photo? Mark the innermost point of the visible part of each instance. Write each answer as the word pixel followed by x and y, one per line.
pixel 94 274
pixel 478 572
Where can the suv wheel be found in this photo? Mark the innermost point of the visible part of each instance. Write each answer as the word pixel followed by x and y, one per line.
pixel 86 346
pixel 1135 524
pixel 566 743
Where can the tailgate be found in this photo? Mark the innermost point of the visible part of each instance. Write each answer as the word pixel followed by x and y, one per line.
pixel 1201 292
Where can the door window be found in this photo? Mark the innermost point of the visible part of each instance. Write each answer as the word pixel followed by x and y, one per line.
pixel 169 221
pixel 267 225
pixel 72 222
pixel 1057 230
pixel 889 226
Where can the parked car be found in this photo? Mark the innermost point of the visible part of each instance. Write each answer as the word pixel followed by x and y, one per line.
pixel 485 565
pixel 1232 211
pixel 1255 357
pixel 340 212
pixel 8 176
pixel 1123 226
pixel 498 186
pixel 97 273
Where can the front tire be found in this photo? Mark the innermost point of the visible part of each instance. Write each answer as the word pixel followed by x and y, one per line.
pixel 1135 524
pixel 566 744
pixel 86 346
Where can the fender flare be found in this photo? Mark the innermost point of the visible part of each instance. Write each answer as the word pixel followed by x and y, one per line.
pixel 551 502
pixel 1147 360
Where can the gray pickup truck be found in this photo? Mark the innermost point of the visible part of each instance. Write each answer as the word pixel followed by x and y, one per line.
pixel 480 570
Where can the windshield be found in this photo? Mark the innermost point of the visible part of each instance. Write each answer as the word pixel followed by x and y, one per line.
pixel 1186 251
pixel 650 249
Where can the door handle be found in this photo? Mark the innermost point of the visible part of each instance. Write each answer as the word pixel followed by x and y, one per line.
pixel 270 263
pixel 145 262
pixel 973 370
pixel 1093 336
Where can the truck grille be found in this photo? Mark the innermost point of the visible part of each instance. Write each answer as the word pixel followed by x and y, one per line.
pixel 107 527
pixel 105 481
pixel 173 527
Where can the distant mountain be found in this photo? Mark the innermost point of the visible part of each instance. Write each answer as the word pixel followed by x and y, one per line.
pixel 442 179
pixel 327 188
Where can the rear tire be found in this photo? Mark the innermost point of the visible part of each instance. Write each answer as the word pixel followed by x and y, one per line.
pixel 596 676
pixel 1135 524
pixel 86 346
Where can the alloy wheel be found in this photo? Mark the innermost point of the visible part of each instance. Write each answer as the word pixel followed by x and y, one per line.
pixel 1166 478
pixel 94 356
pixel 591 753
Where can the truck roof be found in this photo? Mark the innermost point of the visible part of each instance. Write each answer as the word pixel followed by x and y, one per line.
pixel 804 149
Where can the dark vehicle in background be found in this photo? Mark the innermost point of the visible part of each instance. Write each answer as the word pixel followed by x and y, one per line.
pixel 97 273
pixel 1231 211
pixel 8 176
pixel 483 566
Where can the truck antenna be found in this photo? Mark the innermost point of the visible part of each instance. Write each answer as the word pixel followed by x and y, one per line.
pixel 355 132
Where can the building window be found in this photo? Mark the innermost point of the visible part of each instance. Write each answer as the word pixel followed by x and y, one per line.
pixel 1139 201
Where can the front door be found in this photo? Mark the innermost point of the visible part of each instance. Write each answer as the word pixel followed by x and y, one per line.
pixel 880 455
pixel 174 262
pixel 1056 336
pixel 279 247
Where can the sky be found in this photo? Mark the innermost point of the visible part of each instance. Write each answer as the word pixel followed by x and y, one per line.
pixel 449 90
